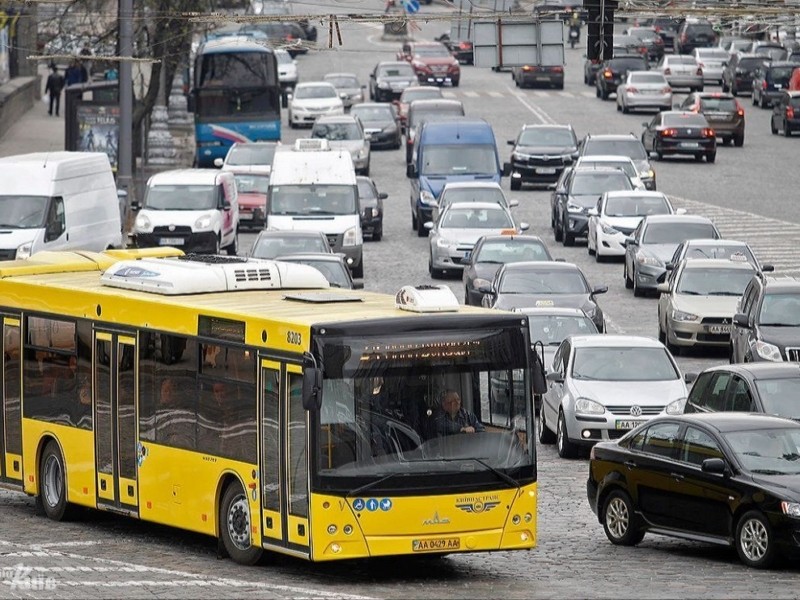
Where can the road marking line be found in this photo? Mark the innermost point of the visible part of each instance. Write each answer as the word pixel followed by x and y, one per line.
pixel 496 94
pixel 469 94
pixel 537 112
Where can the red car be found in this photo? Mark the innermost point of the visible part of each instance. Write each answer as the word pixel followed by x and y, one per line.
pixel 414 93
pixel 432 62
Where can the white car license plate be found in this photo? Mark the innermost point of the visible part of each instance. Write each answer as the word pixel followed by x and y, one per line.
pixel 690 145
pixel 171 241
pixel 629 423
pixel 546 171
pixel 243 216
pixel 719 329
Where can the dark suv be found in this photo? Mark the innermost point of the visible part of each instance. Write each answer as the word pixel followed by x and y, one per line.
pixel 737 74
pixel 694 34
pixel 612 73
pixel 540 154
pixel 766 326
pixel 723 113
pixel 786 113
pixel 768 81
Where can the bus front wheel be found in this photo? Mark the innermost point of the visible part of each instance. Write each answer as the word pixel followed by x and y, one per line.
pixel 235 526
pixel 52 496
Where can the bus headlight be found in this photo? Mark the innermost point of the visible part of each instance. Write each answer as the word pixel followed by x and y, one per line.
pixel 203 223
pixel 24 251
pixel 350 237
pixel 143 223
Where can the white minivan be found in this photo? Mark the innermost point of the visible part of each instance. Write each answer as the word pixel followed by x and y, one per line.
pixel 57 201
pixel 196 210
pixel 313 187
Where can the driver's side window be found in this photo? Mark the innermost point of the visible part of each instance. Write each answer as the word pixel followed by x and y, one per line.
pixel 56 222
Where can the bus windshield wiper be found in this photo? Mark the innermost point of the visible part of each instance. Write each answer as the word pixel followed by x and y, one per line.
pixel 507 478
pixel 372 484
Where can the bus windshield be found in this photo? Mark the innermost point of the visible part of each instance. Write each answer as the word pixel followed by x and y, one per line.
pixel 417 411
pixel 235 69
pixel 236 103
pixel 313 199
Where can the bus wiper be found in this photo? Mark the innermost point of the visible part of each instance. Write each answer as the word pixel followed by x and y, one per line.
pixel 508 479
pixel 359 491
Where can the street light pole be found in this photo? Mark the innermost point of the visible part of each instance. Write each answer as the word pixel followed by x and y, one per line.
pixel 125 154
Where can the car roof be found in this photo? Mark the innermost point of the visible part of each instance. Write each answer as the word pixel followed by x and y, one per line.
pixel 525 237
pixel 533 265
pixel 289 233
pixel 615 341
pixel 713 242
pixel 611 136
pixel 603 158
pixel 680 113
pixel 332 75
pixel 435 103
pixel 595 170
pixel 635 194
pixel 759 370
pixel 736 421
pixel 337 119
pixel 546 126
pixel 306 84
pixel 709 95
pixel 371 105
pixel 476 206
pixel 782 283
pixel 472 185
pixel 392 63
pixel 187 177
pixel 675 219
pixel 426 43
pixel 716 263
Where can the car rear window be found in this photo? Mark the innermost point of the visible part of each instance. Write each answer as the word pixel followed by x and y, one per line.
pixel 749 63
pixel 719 104
pixel 780 74
pixel 656 78
pixel 700 28
pixel 631 148
pixel 685 120
pixel 682 60
pixel 628 64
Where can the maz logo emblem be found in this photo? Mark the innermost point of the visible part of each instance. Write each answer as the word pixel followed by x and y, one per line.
pixel 436 520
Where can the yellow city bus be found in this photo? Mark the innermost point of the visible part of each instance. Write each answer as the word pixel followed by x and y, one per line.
pixel 246 400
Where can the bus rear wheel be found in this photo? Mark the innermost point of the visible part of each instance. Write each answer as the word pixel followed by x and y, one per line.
pixel 53 484
pixel 235 526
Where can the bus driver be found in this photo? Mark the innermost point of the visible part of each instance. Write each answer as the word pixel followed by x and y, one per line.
pixel 451 418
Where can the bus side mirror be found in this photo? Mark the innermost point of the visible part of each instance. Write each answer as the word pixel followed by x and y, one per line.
pixel 312 388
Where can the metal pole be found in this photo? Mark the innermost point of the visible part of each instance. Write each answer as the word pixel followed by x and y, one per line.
pixel 125 155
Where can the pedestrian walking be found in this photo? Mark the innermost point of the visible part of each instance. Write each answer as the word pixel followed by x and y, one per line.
pixel 55 83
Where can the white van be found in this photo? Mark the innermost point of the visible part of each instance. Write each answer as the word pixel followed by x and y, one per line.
pixel 196 210
pixel 312 187
pixel 57 201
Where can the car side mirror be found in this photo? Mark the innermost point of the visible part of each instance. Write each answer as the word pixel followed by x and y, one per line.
pixel 524 226
pixel 513 203
pixel 555 377
pixel 511 142
pixel 629 241
pixel 358 285
pixel 669 266
pixel 690 377
pixel 135 206
pixel 740 320
pixel 506 169
pixel 466 260
pixel 428 225
pixel 645 124
pixel 218 162
pixel 767 268
pixel 592 212
pixel 681 211
pixel 714 465
pixel 600 289
pixel 411 171
pixel 383 196
pixel 485 289
pixel 662 288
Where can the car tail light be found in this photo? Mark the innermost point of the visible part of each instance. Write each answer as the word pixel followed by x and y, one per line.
pixel 666 90
pixel 789 112
pixel 658 28
pixel 643 50
pixel 465 45
pixel 558 69
pixel 709 133
pixel 607 74
pixel 632 90
pixel 739 109
pixel 528 68
pixel 668 132
pixel 289 37
pixel 699 71
pixel 667 71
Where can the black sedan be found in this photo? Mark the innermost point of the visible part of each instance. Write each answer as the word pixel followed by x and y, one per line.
pixel 541 285
pixel 388 80
pixel 680 132
pixel 381 124
pixel 540 154
pixel 370 202
pixel 493 251
pixel 726 478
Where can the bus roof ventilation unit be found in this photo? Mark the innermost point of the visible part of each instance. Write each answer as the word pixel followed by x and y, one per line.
pixel 426 299
pixel 172 277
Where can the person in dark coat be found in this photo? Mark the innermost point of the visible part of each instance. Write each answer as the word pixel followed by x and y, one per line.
pixel 55 83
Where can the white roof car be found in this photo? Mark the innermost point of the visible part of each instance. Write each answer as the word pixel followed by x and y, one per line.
pixel 472 191
pixel 311 100
pixel 624 163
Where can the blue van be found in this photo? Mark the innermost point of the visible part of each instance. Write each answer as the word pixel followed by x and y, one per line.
pixel 447 151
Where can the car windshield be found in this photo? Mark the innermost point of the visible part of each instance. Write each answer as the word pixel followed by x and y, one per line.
pixel 182 197
pixel 404 70
pixel 543 281
pixel 480 218
pixel 595 184
pixel 373 113
pixel 626 166
pixel 780 310
pixel 748 64
pixel 252 184
pixel 552 329
pixel 719 105
pixel 271 246
pixel 424 94
pixel 434 51
pixel 780 396
pixel 631 148
pixel 365 190
pixel 416 117
pixel 714 282
pixel 771 52
pixel 460 159
pixel 541 136
pixel 315 91
pixel 712 54
pixel 336 132
pixel 675 233
pixel 633 206
pixel 22 212
pixel 628 64
pixel 651 78
pixel 343 81
pixel 251 154
pixel 333 270
pixel 623 364
pixel 451 195
pixel 781 74
pixel 643 34
pixel 313 199
pixel 767 451
pixel 737 252
pixel 685 120
pixel 511 251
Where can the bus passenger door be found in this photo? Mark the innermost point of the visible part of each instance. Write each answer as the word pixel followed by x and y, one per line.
pixel 114 367
pixel 10 410
pixel 284 459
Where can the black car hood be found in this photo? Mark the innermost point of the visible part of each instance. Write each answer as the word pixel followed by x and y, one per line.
pixel 548 150
pixel 784 486
pixel 486 271
pixel 509 301
pixel 780 336
pixel 376 123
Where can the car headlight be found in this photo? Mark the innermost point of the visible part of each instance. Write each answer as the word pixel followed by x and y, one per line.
pixel 649 174
pixel 644 259
pixel 203 223
pixel 143 223
pixel 584 406
pixel 479 283
pixel 519 156
pixel 679 315
pixel 791 508
pixel 676 407
pixel 352 237
pixel 608 229
pixel 24 251
pixel 426 197
pixel 363 152
pixel 768 351
pixel 574 208
pixel 444 242
pixel 375 212
pixel 384 85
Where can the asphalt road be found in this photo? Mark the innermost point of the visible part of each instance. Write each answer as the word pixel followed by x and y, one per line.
pixel 750 192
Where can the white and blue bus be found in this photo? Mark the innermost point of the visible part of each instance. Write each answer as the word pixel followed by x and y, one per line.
pixel 236 96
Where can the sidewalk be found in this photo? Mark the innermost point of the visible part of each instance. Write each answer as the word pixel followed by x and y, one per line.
pixel 36 131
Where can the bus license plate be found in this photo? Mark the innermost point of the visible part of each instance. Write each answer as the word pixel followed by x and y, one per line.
pixel 629 424
pixel 171 241
pixel 436 545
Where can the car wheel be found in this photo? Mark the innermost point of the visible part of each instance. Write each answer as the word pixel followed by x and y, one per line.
pixel 365 172
pixel 545 435
pixel 217 246
pixel 738 140
pixel 755 100
pixel 597 91
pixel 604 94
pixel 421 231
pixel 589 249
pixel 734 92
pixel 413 220
pixel 377 234
pixel 358 272
pixel 52 496
pixel 435 273
pixel 456 82
pixel 658 153
pixel 619 520
pixel 619 107
pixel 235 524
pixel 628 281
pixel 569 238
pixel 662 337
pixel 711 157
pixel 558 234
pixel 787 131
pixel 755 542
pixel 566 449
pixel 516 184
pixel 772 127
